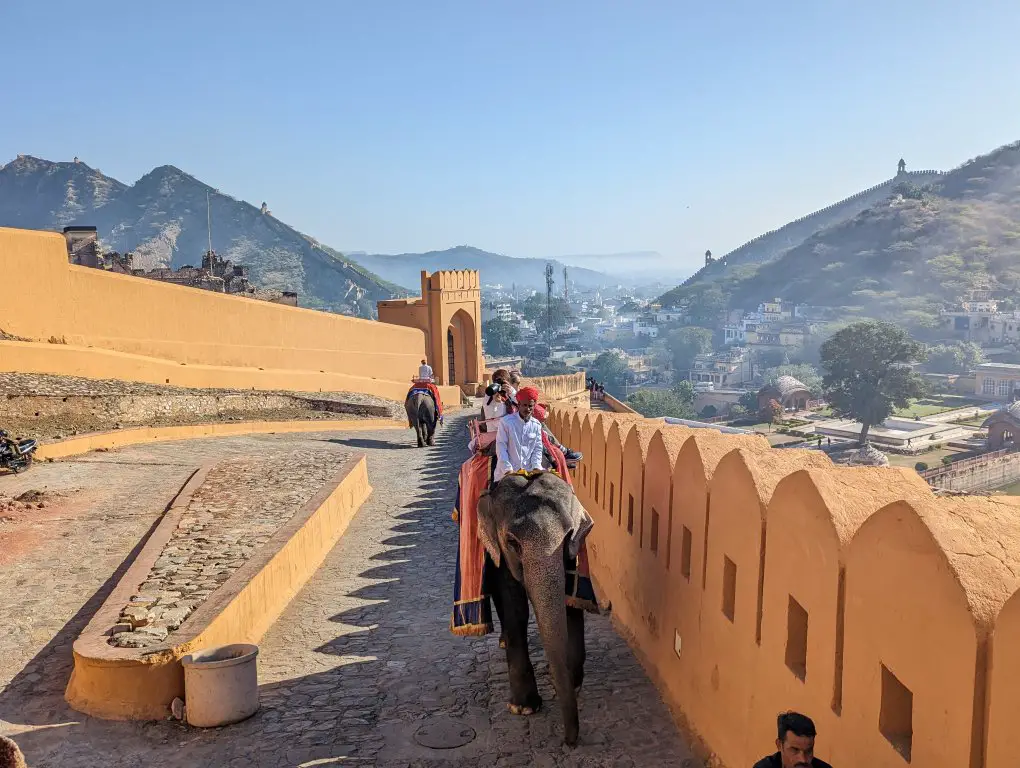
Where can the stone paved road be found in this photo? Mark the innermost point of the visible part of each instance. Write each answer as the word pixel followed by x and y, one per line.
pixel 362 657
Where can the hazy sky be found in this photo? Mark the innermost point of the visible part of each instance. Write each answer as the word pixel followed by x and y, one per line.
pixel 532 128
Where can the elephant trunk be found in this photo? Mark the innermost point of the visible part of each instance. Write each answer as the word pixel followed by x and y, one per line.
pixel 544 582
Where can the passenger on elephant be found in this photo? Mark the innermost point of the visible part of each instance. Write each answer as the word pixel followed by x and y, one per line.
pixel 424 371
pixel 496 406
pixel 541 413
pixel 519 438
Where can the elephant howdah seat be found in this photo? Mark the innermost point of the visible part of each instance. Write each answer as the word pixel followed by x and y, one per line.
pixel 472 612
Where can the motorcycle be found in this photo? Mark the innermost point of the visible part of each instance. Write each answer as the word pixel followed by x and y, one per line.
pixel 16 454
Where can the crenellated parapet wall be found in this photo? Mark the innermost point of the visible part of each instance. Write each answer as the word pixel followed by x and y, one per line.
pixel 752 581
pixel 566 389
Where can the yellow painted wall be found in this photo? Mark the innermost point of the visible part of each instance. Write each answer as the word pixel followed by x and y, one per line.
pixel 44 297
pixel 839 573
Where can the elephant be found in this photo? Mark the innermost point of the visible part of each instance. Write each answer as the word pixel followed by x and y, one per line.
pixel 421 415
pixel 532 527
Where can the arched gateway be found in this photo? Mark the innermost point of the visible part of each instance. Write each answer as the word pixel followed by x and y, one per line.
pixel 449 312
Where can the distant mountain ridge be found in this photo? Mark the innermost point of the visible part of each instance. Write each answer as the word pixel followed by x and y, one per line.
pixel 773 244
pixel 162 219
pixel 405 268
pixel 917 250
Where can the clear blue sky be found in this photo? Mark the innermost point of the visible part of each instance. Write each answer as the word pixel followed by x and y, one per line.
pixel 530 127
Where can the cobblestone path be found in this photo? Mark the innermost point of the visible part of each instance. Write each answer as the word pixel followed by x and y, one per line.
pixel 361 659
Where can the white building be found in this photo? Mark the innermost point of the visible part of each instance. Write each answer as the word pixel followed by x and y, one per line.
pixel 646 327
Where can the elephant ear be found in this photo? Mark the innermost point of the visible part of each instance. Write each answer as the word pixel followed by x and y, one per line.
pixel 580 526
pixel 487 527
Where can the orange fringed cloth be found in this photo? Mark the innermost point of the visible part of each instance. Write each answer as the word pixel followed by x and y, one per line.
pixel 472 614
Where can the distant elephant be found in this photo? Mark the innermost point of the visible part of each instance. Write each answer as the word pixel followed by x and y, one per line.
pixel 532 527
pixel 421 414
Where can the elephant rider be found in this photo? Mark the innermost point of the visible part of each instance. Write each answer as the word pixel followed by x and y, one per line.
pixel 429 388
pixel 425 371
pixel 496 406
pixel 519 438
pixel 540 413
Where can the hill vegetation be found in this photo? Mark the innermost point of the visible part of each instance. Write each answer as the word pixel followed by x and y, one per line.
pixel 162 219
pixel 902 258
pixel 495 268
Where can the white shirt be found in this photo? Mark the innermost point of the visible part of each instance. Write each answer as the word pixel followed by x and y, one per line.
pixel 494 410
pixel 425 372
pixel 518 445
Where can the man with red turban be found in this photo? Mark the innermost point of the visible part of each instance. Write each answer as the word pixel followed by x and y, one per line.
pixel 519 438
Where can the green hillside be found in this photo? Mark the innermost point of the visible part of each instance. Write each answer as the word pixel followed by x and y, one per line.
pixel 904 257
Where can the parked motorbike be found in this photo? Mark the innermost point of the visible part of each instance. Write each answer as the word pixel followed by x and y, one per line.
pixel 16 454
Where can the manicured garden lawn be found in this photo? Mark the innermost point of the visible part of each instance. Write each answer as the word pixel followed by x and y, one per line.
pixel 932 458
pixel 935 404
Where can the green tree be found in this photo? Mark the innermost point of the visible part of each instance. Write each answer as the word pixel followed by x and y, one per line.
pixel 749 402
pixel 654 403
pixel 685 344
pixel 610 370
pixel 534 308
pixel 685 391
pixel 806 374
pixel 868 373
pixel 771 413
pixel 499 336
pixel 705 304
pixel 960 357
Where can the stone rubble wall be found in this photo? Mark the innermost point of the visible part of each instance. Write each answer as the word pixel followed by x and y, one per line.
pixel 752 581
pixel 241 504
pixel 52 406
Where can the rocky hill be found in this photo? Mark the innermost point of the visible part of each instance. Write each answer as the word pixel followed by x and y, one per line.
pixel 405 268
pixel 162 219
pixel 771 245
pixel 902 258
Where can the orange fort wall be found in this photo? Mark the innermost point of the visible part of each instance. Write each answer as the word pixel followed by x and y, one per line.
pixel 119 326
pixel 752 581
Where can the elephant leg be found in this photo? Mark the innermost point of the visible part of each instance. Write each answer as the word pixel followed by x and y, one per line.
pixel 524 698
pixel 575 645
pixel 491 578
pixel 419 430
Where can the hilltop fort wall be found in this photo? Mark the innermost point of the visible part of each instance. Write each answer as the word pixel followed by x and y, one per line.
pixel 751 581
pixel 119 326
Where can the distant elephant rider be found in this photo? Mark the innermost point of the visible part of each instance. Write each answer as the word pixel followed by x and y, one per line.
pixel 519 438
pixel 425 371
pixel 428 387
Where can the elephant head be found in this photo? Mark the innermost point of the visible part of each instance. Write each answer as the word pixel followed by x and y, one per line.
pixel 534 523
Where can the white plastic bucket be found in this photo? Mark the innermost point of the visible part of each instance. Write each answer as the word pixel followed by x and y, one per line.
pixel 221 685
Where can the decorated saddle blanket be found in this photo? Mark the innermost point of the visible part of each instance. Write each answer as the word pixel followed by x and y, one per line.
pixel 472 612
pixel 427 388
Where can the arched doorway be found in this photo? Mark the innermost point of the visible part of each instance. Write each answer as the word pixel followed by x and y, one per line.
pixel 461 349
pixel 451 356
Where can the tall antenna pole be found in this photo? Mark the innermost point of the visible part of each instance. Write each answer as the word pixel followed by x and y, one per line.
pixel 566 296
pixel 208 216
pixel 548 302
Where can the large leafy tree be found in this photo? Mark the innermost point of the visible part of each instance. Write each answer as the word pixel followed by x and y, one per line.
pixel 610 370
pixel 868 373
pixel 685 344
pixel 499 336
pixel 654 403
pixel 960 357
pixel 677 402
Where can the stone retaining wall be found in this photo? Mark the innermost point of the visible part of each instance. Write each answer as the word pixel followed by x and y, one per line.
pixel 127 683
